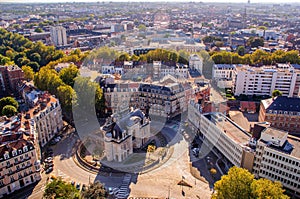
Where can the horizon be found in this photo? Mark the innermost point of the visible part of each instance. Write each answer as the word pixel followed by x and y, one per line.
pixel 156 1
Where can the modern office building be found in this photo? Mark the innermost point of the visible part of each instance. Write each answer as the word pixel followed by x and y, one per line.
pixel 58 35
pixel 269 153
pixel 282 113
pixel 264 80
pixel 19 165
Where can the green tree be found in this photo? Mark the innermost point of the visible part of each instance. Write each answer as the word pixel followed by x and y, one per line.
pixel 265 189
pixel 8 101
pixel 241 50
pixel 235 185
pixel 28 72
pixel 66 96
pixel 67 75
pixel 61 190
pixel 240 183
pixel 255 42
pixel 95 190
pixel 142 27
pixel 9 110
pixel 276 93
pixel 38 30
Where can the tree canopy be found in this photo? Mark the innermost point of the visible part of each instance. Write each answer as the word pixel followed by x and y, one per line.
pixel 276 93
pixel 8 101
pixel 61 190
pixel 240 183
pixel 28 72
pixel 95 190
pixel 9 110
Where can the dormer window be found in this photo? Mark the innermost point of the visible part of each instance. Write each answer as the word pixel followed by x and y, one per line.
pixel 25 148
pixel 6 156
pixel 14 153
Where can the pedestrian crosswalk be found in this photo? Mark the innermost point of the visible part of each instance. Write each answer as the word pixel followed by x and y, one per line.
pixel 124 188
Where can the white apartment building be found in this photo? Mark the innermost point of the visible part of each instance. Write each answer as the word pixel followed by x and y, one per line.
pixel 108 69
pixel 278 158
pixel 58 35
pixel 196 63
pixel 272 154
pixel 264 80
pixel 224 75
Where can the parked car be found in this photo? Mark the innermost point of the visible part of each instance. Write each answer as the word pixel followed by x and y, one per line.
pixel 73 183
pixel 49 160
pixel 83 188
pixel 49 170
pixel 78 186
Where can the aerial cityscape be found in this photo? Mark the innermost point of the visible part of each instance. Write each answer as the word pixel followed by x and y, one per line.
pixel 149 100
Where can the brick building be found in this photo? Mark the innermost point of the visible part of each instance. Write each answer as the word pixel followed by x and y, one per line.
pixel 282 113
pixel 10 77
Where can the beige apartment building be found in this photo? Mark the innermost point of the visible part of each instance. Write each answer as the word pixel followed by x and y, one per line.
pixel 19 166
pixel 44 111
pixel 166 98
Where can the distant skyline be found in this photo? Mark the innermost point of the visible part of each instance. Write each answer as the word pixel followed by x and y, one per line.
pixel 205 1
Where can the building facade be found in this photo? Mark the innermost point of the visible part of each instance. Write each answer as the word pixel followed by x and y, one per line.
pixel 44 112
pixel 196 63
pixel 282 113
pixel 19 165
pixel 264 80
pixel 125 132
pixel 271 153
pixel 10 77
pixel 58 35
pixel 224 75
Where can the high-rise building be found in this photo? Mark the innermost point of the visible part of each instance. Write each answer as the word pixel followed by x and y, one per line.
pixel 264 80
pixel 58 36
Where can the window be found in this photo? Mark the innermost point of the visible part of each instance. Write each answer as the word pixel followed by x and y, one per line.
pixel 14 153
pixel 6 156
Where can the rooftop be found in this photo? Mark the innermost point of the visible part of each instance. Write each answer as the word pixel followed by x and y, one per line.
pixel 228 127
pixel 282 103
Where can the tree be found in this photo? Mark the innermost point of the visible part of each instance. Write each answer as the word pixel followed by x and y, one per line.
pixel 276 93
pixel 241 50
pixel 235 185
pixel 38 30
pixel 142 27
pixel 66 96
pixel 60 189
pixel 9 110
pixel 254 42
pixel 265 189
pixel 8 101
pixel 67 75
pixel 28 72
pixel 240 183
pixel 95 190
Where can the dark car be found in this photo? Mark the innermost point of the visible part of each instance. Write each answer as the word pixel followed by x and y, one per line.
pixel 49 170
pixel 83 187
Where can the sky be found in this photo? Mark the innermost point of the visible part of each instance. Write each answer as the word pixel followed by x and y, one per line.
pixel 223 1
